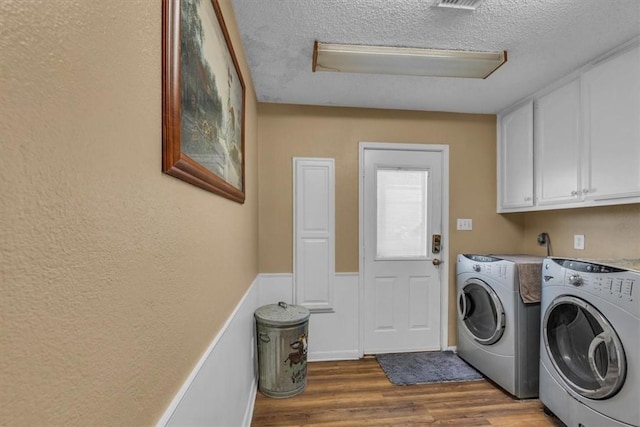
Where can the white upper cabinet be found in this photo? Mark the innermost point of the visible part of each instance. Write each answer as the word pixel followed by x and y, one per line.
pixel 611 93
pixel 557 146
pixel 584 136
pixel 515 158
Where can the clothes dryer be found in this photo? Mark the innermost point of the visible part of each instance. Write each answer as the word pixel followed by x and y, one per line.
pixel 590 345
pixel 498 334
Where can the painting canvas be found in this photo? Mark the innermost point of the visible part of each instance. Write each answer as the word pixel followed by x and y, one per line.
pixel 204 140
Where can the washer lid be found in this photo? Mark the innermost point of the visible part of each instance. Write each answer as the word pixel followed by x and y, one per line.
pixel 282 314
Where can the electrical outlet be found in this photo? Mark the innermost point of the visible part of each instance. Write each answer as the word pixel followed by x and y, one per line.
pixel 578 241
pixel 465 224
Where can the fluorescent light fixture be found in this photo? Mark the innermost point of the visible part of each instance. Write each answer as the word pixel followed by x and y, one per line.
pixel 405 61
pixel 460 4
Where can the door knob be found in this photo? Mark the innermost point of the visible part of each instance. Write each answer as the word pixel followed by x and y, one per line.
pixel 436 261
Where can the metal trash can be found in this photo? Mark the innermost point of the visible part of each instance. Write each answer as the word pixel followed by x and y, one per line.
pixel 282 332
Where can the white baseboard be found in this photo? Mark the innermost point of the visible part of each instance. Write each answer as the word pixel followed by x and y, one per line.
pixel 248 414
pixel 326 356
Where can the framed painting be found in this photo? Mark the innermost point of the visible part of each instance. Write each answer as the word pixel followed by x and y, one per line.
pixel 203 99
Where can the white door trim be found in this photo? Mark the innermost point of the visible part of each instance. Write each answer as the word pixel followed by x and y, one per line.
pixel 444 272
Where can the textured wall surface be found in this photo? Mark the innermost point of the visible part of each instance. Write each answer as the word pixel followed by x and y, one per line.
pixel 610 232
pixel 114 278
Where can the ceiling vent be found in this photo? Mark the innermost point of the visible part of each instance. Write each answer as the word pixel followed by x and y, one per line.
pixel 460 4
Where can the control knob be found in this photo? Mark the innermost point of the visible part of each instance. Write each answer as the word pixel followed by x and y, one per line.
pixel 575 280
pixel 477 268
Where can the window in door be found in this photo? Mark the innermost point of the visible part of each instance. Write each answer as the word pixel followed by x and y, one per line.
pixel 401 213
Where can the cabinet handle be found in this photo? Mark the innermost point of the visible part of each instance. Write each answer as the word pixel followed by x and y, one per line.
pixel 574 193
pixel 588 190
pixel 527 199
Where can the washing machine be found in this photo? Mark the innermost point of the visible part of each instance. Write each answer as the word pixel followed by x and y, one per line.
pixel 498 334
pixel 590 341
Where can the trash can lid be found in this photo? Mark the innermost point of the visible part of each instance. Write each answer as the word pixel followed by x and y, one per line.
pixel 282 314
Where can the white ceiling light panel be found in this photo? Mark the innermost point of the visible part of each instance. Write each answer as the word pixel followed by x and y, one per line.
pixel 405 61
pixel 460 4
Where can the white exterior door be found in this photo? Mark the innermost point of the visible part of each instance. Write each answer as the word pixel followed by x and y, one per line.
pixel 402 247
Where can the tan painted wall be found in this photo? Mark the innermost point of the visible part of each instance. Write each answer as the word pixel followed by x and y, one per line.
pixel 114 278
pixel 610 232
pixel 287 131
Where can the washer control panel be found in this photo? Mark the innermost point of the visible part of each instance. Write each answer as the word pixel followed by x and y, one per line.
pixel 616 285
pixel 485 265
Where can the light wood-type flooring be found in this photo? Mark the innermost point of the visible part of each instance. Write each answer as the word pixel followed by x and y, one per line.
pixel 357 393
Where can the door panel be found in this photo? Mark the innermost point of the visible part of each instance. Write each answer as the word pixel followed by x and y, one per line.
pixel 401 213
pixel 384 303
pixel 314 259
pixel 419 290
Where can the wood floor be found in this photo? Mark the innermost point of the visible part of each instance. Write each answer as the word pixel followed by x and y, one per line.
pixel 357 393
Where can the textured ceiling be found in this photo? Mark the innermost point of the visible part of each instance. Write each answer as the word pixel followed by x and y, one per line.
pixel 545 40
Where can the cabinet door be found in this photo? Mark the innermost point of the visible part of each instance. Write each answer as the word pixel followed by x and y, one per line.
pixel 557 146
pixel 313 232
pixel 515 158
pixel 612 127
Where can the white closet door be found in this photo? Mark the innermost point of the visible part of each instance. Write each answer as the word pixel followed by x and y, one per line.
pixel 314 232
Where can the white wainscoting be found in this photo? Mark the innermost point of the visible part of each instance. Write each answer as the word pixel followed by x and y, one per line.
pixel 221 389
pixel 274 288
pixel 332 335
pixel 336 335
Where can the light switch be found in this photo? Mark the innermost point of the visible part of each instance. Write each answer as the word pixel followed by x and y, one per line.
pixel 578 241
pixel 465 224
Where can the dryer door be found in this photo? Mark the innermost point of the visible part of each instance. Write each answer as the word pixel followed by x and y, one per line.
pixel 584 348
pixel 481 311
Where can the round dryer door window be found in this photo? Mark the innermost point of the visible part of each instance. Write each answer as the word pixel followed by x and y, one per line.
pixel 584 348
pixel 481 311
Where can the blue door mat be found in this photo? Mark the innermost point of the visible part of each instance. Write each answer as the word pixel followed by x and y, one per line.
pixel 426 367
